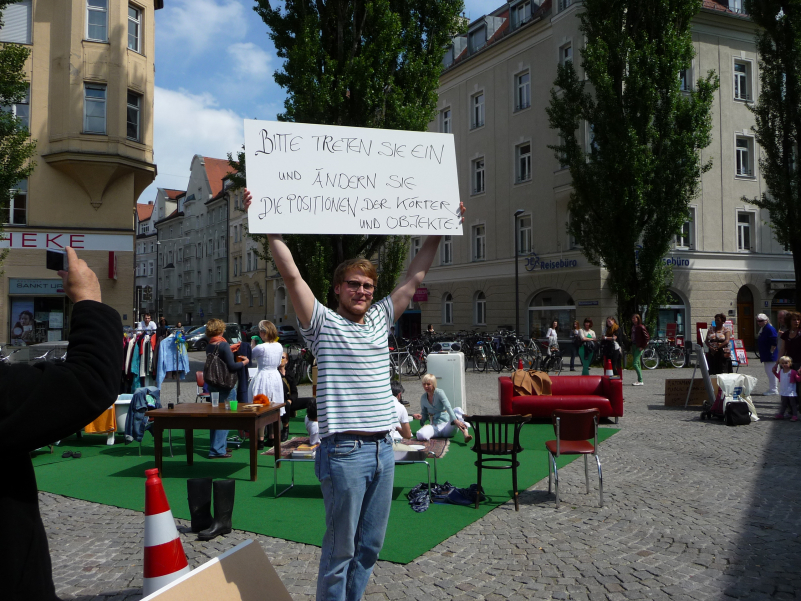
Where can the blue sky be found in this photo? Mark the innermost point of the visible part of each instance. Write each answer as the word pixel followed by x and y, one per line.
pixel 214 67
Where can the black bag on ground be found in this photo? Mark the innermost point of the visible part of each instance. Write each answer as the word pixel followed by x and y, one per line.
pixel 215 371
pixel 737 413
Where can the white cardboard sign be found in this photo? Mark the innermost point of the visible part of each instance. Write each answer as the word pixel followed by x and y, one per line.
pixel 323 179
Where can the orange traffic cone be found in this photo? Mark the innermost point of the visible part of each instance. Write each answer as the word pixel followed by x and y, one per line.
pixel 165 560
pixel 608 367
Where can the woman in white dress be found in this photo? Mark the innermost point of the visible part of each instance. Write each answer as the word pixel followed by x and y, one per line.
pixel 267 380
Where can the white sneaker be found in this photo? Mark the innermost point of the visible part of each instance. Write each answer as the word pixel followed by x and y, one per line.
pixel 636 383
pixel 770 393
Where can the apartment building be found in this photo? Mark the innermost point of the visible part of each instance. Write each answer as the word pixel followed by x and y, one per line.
pixel 145 260
pixel 90 110
pixel 493 93
pixel 192 263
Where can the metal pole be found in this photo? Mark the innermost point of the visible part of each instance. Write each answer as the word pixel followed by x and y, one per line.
pixel 517 215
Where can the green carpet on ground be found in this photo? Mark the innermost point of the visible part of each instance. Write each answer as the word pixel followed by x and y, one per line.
pixel 114 475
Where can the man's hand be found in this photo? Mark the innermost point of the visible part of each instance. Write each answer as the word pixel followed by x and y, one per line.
pixel 247 197
pixel 80 282
pixel 417 416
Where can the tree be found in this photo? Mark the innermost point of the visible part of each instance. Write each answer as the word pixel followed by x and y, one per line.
pixel 633 184
pixel 778 117
pixel 16 148
pixel 359 63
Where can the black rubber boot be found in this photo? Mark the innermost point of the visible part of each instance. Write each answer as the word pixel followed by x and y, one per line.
pixel 223 510
pixel 198 492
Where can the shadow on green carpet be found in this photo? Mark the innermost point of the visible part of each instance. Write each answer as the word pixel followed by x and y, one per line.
pixel 114 475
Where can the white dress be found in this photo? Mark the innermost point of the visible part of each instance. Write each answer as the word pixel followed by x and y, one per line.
pixel 267 380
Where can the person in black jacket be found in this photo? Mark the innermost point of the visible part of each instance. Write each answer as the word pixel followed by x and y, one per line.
pixel 214 331
pixel 43 403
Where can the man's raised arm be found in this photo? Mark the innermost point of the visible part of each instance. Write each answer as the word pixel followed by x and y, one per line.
pixel 299 291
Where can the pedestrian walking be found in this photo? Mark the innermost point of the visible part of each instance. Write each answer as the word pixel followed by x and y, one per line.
pixel 588 344
pixel 768 348
pixel 639 342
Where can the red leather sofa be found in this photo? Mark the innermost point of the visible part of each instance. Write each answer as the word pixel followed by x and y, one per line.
pixel 567 392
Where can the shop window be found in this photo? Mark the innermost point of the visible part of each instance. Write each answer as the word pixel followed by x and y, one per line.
pixel 447 309
pixel 672 312
pixel 17 211
pixel 33 320
pixel 97 20
pixel 94 108
pixel 478 176
pixel 477 111
pixel 549 306
pixel 446 250
pixel 480 309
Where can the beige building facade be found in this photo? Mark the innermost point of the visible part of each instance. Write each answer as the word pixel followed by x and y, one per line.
pixel 493 93
pixel 90 110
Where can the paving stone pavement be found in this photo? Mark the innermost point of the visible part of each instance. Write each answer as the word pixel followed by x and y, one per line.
pixel 692 510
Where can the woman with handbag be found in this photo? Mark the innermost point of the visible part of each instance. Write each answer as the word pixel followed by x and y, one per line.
pixel 589 341
pixel 717 341
pixel 611 345
pixel 220 374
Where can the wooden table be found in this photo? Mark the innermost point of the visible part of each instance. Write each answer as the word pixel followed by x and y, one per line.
pixel 202 416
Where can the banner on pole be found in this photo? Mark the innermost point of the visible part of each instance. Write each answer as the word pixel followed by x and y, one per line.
pixel 323 179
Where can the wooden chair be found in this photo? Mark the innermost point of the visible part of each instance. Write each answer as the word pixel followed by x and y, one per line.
pixel 493 438
pixel 573 430
pixel 206 396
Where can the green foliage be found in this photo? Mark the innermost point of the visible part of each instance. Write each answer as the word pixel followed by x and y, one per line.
pixel 778 117
pixel 16 148
pixel 359 63
pixel 633 185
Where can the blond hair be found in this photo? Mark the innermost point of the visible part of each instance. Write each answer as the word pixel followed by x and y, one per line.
pixel 269 330
pixel 215 327
pixel 785 359
pixel 430 379
pixel 358 264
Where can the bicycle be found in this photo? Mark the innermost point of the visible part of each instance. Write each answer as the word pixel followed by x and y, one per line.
pixel 662 350
pixel 551 359
pixel 484 356
pixel 300 362
pixel 402 361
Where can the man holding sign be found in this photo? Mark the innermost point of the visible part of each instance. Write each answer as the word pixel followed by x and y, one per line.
pixel 356 413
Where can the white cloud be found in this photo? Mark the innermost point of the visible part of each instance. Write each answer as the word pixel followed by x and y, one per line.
pixel 186 125
pixel 197 24
pixel 249 61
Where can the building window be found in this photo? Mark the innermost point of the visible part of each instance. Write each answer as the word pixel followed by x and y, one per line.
pixel 199 250
pixel 236 267
pixel 564 4
pixel 524 234
pixel 150 268
pixel 134 116
pixel 248 261
pixel 447 309
pixel 478 176
pixel 261 297
pixel 445 121
pixel 180 255
pixel 222 244
pixel 742 80
pixel 21 110
pixel 479 243
pixel 523 91
pixel 97 20
pixel 744 156
pixel 134 28
pixel 17 23
pixel 446 252
pixel 219 273
pixel 562 156
pixel 477 39
pixel 481 309
pixel 523 162
pixel 94 108
pixel 745 228
pixel 211 277
pixel 685 239
pixel 255 261
pixel 152 244
pixel 250 297
pixel 684 80
pixel 416 242
pixel 237 297
pixel 566 54
pixel 522 13
pixel 477 111
pixel 17 211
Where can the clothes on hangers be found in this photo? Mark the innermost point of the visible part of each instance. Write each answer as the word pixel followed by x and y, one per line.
pixel 172 357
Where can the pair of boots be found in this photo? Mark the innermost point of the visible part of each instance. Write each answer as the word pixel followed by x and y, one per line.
pixel 199 494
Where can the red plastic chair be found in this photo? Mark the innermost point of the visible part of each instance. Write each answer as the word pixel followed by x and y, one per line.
pixel 200 394
pixel 573 430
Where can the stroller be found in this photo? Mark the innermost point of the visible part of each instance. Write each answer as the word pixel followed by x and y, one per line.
pixel 731 387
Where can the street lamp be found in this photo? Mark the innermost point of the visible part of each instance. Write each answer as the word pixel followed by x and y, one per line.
pixel 518 213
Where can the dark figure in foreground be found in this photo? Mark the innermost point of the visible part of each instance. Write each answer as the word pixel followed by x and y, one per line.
pixel 43 403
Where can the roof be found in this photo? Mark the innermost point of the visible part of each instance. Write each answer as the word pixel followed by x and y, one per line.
pixel 173 194
pixel 143 211
pixel 216 170
pixel 723 6
pixel 175 213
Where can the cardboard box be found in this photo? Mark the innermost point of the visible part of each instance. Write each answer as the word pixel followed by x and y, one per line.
pixel 676 392
pixel 241 574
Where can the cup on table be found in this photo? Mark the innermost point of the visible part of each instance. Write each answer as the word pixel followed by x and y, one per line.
pixel 227 405
pixel 233 404
pixel 215 399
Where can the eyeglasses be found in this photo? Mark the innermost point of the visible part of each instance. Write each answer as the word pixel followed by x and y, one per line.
pixel 354 286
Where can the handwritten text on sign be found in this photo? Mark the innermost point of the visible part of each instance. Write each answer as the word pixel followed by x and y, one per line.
pixel 321 179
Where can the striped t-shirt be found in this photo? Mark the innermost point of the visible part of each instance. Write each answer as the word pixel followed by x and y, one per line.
pixel 353 391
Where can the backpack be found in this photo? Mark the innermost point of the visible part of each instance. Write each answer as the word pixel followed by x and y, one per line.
pixel 215 371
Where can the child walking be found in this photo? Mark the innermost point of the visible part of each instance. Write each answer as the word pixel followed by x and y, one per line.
pixel 788 378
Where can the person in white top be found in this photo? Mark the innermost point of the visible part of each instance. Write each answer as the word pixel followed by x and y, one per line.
pixel 788 380
pixel 553 336
pixel 310 421
pixel 402 429
pixel 146 324
pixel 587 350
pixel 267 380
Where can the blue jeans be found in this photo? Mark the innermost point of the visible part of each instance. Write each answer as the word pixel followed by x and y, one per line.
pixel 356 475
pixel 217 438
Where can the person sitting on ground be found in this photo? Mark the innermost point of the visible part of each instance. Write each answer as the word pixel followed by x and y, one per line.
pixel 312 427
pixel 402 429
pixel 436 407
